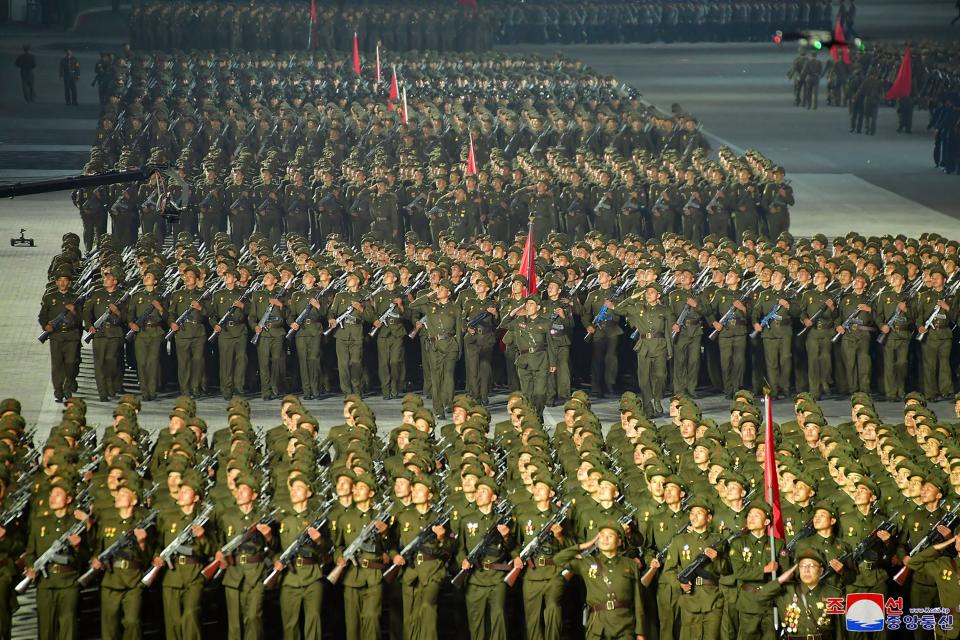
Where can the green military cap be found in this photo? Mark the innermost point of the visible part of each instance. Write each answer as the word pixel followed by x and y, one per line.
pixel 191 478
pixel 368 479
pixel 610 477
pixel 545 478
pixel 10 404
pixel 612 524
pixel 344 472
pixel 805 478
pixel 426 481
pixel 248 479
pixel 762 506
pixel 489 482
pixel 939 482
pixel 133 484
pixel 734 476
pixel 700 501
pixel 675 480
pixel 129 399
pixel 61 482
pixel 869 483
pixel 811 553
pixel 447 284
pixel 936 268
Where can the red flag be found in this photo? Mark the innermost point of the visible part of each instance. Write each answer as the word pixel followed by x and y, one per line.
pixel 378 63
pixel 902 86
pixel 836 49
pixel 394 91
pixel 311 38
pixel 404 104
pixel 527 261
pixel 771 481
pixel 471 160
pixel 356 54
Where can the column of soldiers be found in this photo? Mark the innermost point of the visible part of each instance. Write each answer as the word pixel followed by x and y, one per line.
pixel 861 85
pixel 445 27
pixel 635 529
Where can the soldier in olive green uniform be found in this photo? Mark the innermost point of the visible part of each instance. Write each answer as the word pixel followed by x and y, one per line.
pixel 916 525
pixel 733 336
pixel 802 606
pixel 605 335
pixel 751 559
pixel 423 576
pixel 559 309
pixel 444 327
pixel 944 570
pixel 893 316
pixel 228 315
pixel 535 355
pixel 816 310
pixel 384 214
pixel 190 335
pixel 612 581
pixel 936 306
pixel 309 332
pixel 60 318
pixel 479 319
pixel 183 585
pixel 363 581
pixel 243 571
pixel 486 592
pixel 349 335
pixel 58 592
pixel 147 317
pixel 653 322
pixel 857 335
pixel 684 301
pixel 388 305
pixel 121 592
pixel 772 319
pixel 269 301
pixel 301 592
pixel 829 546
pixel 542 581
pixel 108 340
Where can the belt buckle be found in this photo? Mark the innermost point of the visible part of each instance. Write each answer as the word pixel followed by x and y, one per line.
pixel 541 561
pixel 242 558
pixel 122 564
pixel 486 565
pixel 419 558
pixel 364 563
pixel 698 581
pixel 299 561
pixel 610 605
pixel 181 560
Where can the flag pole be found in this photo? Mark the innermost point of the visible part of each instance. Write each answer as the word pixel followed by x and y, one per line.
pixel 768 462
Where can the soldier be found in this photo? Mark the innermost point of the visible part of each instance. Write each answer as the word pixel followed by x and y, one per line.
pixel 535 356
pixel 266 318
pixel 601 320
pixel 666 202
pixel 385 310
pixel 268 206
pixel 859 524
pixel 60 316
pixel 772 319
pixel 187 314
pixel 308 302
pixel 243 570
pixel 296 204
pixel 183 585
pixel 751 558
pixel 777 196
pixel 940 567
pixel 146 317
pixel 559 310
pixel 121 592
pixel 916 524
pixel 480 315
pixel 893 316
pixel 654 346
pixel 69 73
pixel 802 607
pixel 349 335
pixel 744 195
pixel 812 71
pixel 444 326
pixel 228 314
pixel 855 324
pixel 934 311
pixel 423 576
pixel 687 308
pixel 733 336
pixel 816 312
pixel 385 215
pixel 108 338
pixel 238 198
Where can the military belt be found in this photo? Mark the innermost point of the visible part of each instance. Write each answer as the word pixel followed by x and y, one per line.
pixel 420 558
pixel 187 560
pixel 304 561
pixel 540 561
pixel 649 335
pixel 704 582
pixel 751 587
pixel 610 605
pixel 350 320
pixel 488 565
pixel 127 564
pixel 371 564
pixel 54 569
pixel 443 335
pixel 533 350
pixel 247 558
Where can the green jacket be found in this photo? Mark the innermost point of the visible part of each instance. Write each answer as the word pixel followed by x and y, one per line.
pixel 45 529
pixel 613 592
pixel 131 563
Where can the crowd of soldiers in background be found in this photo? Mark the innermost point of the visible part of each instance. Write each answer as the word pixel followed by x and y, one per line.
pixel 861 86
pixel 449 27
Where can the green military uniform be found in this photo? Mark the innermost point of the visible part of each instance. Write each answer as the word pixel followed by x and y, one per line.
pixel 64 340
pixel 121 592
pixel 871 574
pixel 777 337
pixel 107 342
pixel 150 323
pixel 733 337
pixel 917 524
pixel 190 338
pixel 444 332
pixel 232 340
pixel 945 572
pixel 896 343
pixel 701 609
pixel 270 343
pixel 58 593
pixel 937 343
pixel 478 345
pixel 653 346
pixel 243 577
pixel 604 359
pixel 363 581
pixel 349 338
pixel 385 218
pixel 542 579
pixel 819 361
pixel 309 337
pixel 183 585
pixel 855 342
pixel 421 578
pixel 560 339
pixel 748 555
pixel 802 611
pixel 535 355
pixel 301 591
pixel 485 590
pixel 686 350
pixel 389 340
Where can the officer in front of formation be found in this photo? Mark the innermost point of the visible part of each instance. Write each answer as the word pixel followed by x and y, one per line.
pixel 60 318
pixel 536 357
pixel 443 324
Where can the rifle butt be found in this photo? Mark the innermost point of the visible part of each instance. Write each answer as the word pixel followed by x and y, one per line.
pixel 23 585
pixel 901 577
pixel 169 335
pixel 272 578
pixel 882 338
pixel 835 337
pixel 334 576
pixel 459 579
pixel 88 578
pixel 390 573
pixel 255 339
pixel 43 337
pixel 647 578
pixel 213 337
pixel 87 338
pixel 150 577
pixel 511 578
pixel 714 334
pixel 211 570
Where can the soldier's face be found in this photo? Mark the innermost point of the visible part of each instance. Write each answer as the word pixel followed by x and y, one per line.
pixel 299 492
pixel 186 496
pixel 822 520
pixel 245 495
pixel 485 496
pixel 420 494
pixel 608 540
pixel 672 494
pixel 607 491
pixel 699 518
pixel 810 572
pixel 344 486
pixel 59 499
pixel 801 492
pixel 401 487
pixel 361 492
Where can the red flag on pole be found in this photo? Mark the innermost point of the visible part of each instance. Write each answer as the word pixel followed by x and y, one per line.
pixel 836 49
pixel 527 261
pixel 903 85
pixel 356 54
pixel 394 91
pixel 771 482
pixel 404 104
pixel 311 38
pixel 471 160
pixel 378 63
